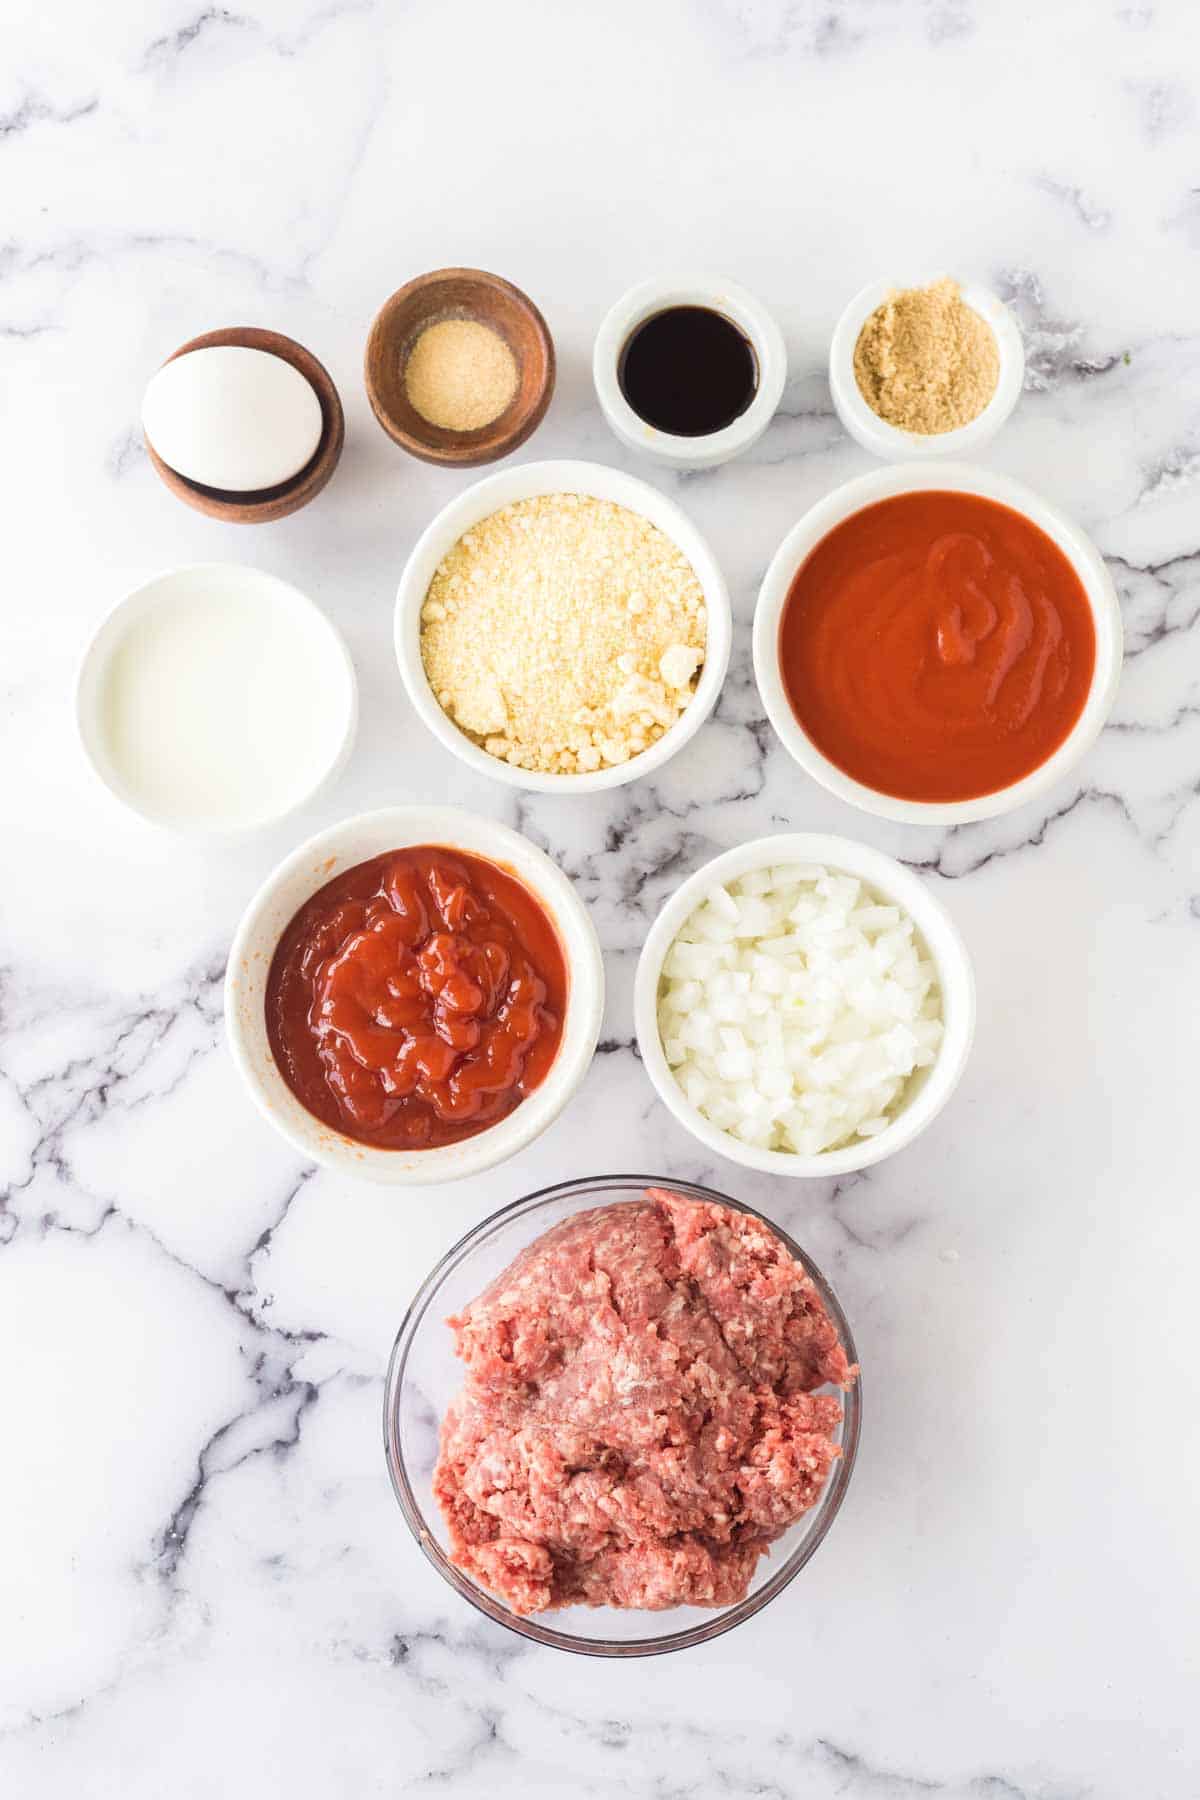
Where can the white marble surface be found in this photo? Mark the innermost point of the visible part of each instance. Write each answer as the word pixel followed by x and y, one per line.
pixel 205 1585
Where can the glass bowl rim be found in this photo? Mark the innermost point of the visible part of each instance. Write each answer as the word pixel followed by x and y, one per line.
pixel 726 1618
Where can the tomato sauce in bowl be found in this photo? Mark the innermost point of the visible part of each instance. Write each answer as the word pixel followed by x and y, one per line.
pixel 937 646
pixel 417 998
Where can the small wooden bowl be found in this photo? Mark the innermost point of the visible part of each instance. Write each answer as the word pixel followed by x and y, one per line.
pixel 459 294
pixel 264 504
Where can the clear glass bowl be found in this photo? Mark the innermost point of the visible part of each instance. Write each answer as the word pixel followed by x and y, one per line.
pixel 424 1375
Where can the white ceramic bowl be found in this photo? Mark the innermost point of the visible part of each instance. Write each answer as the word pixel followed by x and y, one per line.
pixel 883 484
pixel 928 1090
pixel 329 741
pixel 888 441
pixel 752 319
pixel 298 878
pixel 522 483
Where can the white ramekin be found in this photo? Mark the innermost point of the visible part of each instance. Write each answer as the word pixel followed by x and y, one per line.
pixel 748 314
pixel 524 482
pixel 961 478
pixel 888 441
pixel 240 583
pixel 929 1090
pixel 298 878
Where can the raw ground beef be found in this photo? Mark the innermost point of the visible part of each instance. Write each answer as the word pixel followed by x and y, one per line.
pixel 638 1421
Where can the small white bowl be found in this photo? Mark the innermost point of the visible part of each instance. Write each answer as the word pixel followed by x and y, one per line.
pixel 752 319
pixel 959 478
pixel 875 434
pixel 522 483
pixel 331 853
pixel 929 1089
pixel 322 644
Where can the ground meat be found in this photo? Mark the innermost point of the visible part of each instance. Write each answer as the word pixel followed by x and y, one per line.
pixel 639 1419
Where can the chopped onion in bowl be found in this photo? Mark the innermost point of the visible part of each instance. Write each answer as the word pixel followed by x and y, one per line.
pixel 795 1006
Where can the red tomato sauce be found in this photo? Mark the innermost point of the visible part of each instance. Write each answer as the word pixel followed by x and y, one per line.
pixel 937 646
pixel 417 999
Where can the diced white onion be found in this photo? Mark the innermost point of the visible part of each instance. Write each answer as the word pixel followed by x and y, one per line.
pixel 795 1007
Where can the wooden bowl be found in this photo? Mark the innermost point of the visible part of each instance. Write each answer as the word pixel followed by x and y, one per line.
pixel 264 504
pixel 459 294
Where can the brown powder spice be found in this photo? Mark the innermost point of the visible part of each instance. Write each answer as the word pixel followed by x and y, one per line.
pixel 925 361
pixel 460 374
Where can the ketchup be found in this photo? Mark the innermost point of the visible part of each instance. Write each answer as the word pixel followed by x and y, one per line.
pixel 937 646
pixel 416 999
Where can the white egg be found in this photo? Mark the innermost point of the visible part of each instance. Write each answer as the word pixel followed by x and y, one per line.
pixel 232 418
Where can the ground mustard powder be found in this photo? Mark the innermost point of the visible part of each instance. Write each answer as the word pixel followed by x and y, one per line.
pixel 460 374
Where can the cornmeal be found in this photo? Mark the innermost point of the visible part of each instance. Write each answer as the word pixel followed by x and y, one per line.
pixel 564 633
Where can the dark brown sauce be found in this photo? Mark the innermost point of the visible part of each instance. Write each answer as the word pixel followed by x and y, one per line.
pixel 689 371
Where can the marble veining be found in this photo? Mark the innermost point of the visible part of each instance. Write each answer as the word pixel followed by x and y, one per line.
pixel 205 1584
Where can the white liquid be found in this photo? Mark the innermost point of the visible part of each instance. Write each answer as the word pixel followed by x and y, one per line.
pixel 225 701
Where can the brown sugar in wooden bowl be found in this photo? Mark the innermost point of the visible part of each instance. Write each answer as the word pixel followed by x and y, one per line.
pixel 264 504
pixel 459 294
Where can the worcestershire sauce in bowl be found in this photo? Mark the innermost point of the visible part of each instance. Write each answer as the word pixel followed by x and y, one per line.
pixel 688 371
